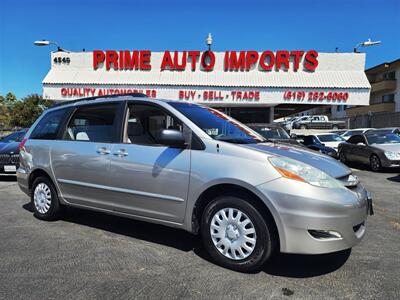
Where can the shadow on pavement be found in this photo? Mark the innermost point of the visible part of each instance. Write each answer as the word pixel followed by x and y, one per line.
pixel 287 265
pixel 8 178
pixel 303 266
pixel 394 178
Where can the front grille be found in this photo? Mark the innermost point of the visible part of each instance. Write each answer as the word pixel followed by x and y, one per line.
pixel 5 158
pixel 14 158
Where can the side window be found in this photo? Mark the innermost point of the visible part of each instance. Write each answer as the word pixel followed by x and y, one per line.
pixel 93 123
pixel 145 123
pixel 356 139
pixel 48 126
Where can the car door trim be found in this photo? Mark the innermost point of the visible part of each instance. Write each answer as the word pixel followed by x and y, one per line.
pixel 121 190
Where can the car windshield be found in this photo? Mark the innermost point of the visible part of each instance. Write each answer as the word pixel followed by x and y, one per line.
pixel 13 137
pixel 330 138
pixel 271 132
pixel 218 125
pixel 383 139
pixel 353 132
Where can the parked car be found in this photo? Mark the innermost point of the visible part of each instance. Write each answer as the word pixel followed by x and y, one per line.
pixel 288 125
pixel 352 132
pixel 394 130
pixel 9 152
pixel 192 167
pixel 313 143
pixel 377 150
pixel 318 122
pixel 273 133
pixel 331 140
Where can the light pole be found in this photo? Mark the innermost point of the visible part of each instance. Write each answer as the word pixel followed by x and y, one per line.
pixel 209 41
pixel 366 44
pixel 47 43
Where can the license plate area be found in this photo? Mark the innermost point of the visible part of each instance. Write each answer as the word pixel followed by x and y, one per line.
pixel 10 168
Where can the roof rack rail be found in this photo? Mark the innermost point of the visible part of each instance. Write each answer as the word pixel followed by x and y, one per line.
pixel 138 95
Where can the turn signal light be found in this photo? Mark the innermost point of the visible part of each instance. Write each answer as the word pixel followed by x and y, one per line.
pixel 290 175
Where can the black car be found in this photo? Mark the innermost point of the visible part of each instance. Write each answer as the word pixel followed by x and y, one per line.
pixel 377 150
pixel 9 152
pixel 311 142
pixel 273 133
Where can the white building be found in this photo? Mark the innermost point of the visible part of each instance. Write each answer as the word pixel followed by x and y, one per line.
pixel 251 86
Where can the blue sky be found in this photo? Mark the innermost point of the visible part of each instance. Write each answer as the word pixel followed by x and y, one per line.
pixel 183 25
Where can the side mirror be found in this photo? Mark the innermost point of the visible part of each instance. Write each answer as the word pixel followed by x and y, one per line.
pixel 293 136
pixel 172 138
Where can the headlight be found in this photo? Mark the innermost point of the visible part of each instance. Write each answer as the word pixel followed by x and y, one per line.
pixel 392 155
pixel 299 171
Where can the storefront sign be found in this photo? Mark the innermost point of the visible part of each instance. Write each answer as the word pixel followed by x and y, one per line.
pixel 219 95
pixel 280 60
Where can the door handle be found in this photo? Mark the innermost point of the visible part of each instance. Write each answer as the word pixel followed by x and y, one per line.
pixel 121 153
pixel 103 151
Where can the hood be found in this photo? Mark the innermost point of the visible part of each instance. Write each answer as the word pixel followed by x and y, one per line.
pixel 323 162
pixel 387 147
pixel 334 145
pixel 7 148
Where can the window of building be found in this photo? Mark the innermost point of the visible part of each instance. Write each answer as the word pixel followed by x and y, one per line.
pixel 389 75
pixel 389 98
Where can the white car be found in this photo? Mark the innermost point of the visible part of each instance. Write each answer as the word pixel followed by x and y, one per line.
pixel 330 139
pixel 351 132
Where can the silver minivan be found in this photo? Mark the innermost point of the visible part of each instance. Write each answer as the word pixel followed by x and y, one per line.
pixel 191 167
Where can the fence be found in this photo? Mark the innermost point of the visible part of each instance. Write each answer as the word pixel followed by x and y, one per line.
pixel 374 120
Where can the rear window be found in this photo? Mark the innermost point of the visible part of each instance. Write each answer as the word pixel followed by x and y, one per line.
pixel 48 126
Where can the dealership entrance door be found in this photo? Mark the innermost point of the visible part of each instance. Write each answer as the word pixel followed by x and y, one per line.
pixel 248 115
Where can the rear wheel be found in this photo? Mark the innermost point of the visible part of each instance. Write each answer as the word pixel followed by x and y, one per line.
pixel 303 127
pixel 236 235
pixel 335 127
pixel 45 201
pixel 375 163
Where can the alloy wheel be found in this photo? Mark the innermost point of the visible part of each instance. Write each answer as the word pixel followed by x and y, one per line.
pixel 42 198
pixel 375 163
pixel 233 233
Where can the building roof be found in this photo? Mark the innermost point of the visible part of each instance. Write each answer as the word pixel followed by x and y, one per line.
pixel 382 67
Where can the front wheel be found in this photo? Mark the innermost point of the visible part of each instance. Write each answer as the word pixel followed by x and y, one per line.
pixel 375 163
pixel 342 157
pixel 335 127
pixel 45 201
pixel 303 127
pixel 236 235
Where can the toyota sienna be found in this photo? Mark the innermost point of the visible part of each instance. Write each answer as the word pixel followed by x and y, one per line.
pixel 191 167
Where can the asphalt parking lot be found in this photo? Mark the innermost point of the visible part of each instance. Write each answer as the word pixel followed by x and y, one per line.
pixel 89 255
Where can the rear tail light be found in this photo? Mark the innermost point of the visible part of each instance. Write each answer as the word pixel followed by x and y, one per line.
pixel 21 145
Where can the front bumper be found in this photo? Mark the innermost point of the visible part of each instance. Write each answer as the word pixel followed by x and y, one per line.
pixel 386 163
pixel 301 209
pixel 23 180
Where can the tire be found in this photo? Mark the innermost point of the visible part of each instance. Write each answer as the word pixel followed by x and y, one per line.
pixel 342 157
pixel 45 202
pixel 231 237
pixel 335 127
pixel 303 126
pixel 375 163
